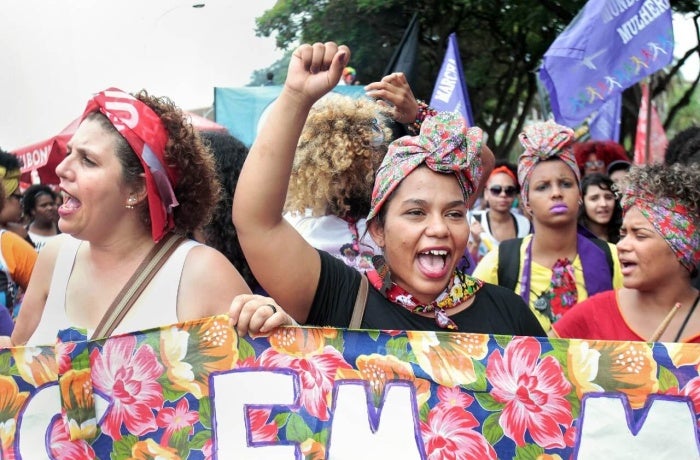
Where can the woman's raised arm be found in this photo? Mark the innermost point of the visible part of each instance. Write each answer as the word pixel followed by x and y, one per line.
pixel 286 266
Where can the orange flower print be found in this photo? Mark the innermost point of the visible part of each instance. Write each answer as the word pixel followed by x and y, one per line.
pixel 448 357
pixel 78 401
pixel 626 367
pixel 192 351
pixel 683 354
pixel 312 450
pixel 11 399
pixel 36 365
pixel 149 449
pixel 378 370
pixel 301 342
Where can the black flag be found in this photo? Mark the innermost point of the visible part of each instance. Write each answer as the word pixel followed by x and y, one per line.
pixel 404 58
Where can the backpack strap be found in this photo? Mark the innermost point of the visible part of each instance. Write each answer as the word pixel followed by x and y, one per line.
pixel 509 262
pixel 358 310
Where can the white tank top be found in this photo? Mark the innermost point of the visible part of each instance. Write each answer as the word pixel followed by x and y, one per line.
pixel 156 306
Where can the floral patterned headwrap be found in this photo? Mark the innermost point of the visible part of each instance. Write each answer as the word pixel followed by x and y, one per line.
pixel 671 219
pixel 445 145
pixel 542 141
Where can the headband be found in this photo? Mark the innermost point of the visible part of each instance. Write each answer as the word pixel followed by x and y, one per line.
pixel 144 131
pixel 445 145
pixel 543 141
pixel 10 180
pixel 504 170
pixel 671 219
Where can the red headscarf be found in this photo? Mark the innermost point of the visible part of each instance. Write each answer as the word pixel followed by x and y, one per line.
pixel 144 131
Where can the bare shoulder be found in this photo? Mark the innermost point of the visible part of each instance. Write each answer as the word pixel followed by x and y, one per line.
pixel 208 285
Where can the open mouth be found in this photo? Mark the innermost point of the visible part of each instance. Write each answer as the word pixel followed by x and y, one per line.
pixel 433 262
pixel 69 201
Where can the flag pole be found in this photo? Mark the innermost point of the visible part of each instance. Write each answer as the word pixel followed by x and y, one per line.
pixel 647 134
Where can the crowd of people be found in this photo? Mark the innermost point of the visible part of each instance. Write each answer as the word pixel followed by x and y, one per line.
pixel 374 213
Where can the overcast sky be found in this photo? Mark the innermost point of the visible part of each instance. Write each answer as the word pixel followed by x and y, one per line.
pixel 55 53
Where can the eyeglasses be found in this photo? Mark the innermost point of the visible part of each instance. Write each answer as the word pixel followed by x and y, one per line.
pixel 595 164
pixel 509 191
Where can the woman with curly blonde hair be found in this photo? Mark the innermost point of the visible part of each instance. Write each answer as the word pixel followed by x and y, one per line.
pixel 659 251
pixel 341 146
pixel 136 178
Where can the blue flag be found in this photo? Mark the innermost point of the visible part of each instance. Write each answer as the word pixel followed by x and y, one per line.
pixel 450 92
pixel 608 47
pixel 605 124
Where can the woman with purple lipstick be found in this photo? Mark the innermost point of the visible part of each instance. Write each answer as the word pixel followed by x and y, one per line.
pixel 555 267
pixel 417 217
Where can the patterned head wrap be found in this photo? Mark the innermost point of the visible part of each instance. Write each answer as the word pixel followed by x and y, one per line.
pixel 671 219
pixel 445 145
pixel 145 133
pixel 542 141
pixel 10 180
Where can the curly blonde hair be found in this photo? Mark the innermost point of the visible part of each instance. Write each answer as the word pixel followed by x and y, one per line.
pixel 680 182
pixel 341 145
pixel 198 187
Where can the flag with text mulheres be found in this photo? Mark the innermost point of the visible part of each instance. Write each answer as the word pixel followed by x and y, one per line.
pixel 608 47
pixel 450 92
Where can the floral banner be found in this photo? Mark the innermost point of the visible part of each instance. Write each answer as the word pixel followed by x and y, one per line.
pixel 196 390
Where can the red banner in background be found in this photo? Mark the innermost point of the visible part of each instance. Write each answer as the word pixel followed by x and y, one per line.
pixel 44 156
pixel 649 131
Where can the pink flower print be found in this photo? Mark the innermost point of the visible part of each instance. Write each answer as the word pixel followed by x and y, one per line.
pixel 61 445
pixel 449 433
pixel 453 397
pixel 259 428
pixel 534 393
pixel 129 378
pixel 176 418
pixel 63 351
pixel 316 375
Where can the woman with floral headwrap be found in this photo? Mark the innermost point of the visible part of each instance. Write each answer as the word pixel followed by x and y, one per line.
pixel 659 251
pixel 135 179
pixel 417 216
pixel 557 266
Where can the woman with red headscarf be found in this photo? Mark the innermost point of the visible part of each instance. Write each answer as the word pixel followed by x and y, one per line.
pixel 417 217
pixel 499 221
pixel 659 251
pixel 136 179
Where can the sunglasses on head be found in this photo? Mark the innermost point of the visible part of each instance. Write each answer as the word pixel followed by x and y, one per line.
pixel 509 191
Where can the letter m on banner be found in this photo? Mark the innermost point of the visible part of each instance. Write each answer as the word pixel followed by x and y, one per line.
pixel 608 47
pixel 450 92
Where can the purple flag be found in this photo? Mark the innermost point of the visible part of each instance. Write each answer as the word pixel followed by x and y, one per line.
pixel 608 47
pixel 605 124
pixel 450 92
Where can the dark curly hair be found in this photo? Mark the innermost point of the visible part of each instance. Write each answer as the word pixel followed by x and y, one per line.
pixel 30 196
pixel 605 183
pixel 219 233
pixel 197 190
pixel 607 151
pixel 684 147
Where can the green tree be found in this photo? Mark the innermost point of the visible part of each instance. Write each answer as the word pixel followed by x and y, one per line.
pixel 501 45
